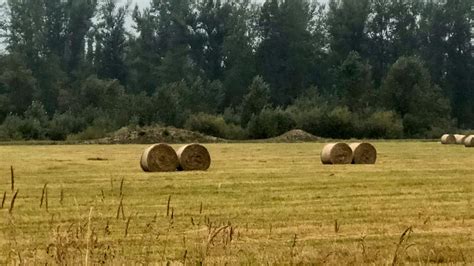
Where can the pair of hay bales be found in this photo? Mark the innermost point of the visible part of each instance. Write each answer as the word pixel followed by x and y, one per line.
pixel 163 158
pixel 451 139
pixel 355 153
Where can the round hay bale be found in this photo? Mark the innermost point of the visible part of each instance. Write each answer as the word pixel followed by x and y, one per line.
pixel 469 141
pixel 363 153
pixel 460 139
pixel 448 139
pixel 193 157
pixel 336 153
pixel 159 158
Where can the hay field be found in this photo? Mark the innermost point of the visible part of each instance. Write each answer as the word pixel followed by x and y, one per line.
pixel 258 203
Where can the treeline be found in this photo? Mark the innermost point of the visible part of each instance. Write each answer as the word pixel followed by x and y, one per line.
pixel 234 69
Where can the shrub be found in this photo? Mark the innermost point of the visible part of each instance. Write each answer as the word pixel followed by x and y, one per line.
pixel 32 129
pixel 99 129
pixel 10 129
pixel 382 124
pixel 90 133
pixel 338 123
pixel 214 125
pixel 255 100
pixel 308 120
pixel 63 125
pixel 270 123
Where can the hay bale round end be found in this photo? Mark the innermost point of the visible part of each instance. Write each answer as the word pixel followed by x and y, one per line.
pixel 460 139
pixel 469 142
pixel 159 158
pixel 363 153
pixel 448 139
pixel 193 157
pixel 336 153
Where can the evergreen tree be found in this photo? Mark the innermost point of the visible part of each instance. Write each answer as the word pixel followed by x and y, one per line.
pixel 238 53
pixel 111 42
pixel 356 86
pixel 379 42
pixel 79 14
pixel 460 60
pixel 144 54
pixel 347 23
pixel 285 54
pixel 174 19
pixel 255 100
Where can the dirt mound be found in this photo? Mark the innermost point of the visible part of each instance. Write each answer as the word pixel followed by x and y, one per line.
pixel 296 135
pixel 150 135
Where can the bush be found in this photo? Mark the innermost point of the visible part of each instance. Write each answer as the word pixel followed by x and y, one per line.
pixel 10 129
pixel 308 120
pixel 382 124
pixel 338 123
pixel 214 125
pixel 255 100
pixel 32 129
pixel 100 127
pixel 270 123
pixel 63 125
pixel 90 133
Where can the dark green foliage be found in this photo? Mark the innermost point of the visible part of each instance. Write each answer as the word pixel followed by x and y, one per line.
pixel 381 124
pixel 168 103
pixel 338 123
pixel 382 68
pixel 214 125
pixel 65 124
pixel 408 90
pixel 11 128
pixel 356 88
pixel 256 99
pixel 270 123
pixel 18 84
pixel 285 55
pixel 346 25
pixel 111 42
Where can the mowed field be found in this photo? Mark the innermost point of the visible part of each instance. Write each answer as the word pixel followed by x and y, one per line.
pixel 259 203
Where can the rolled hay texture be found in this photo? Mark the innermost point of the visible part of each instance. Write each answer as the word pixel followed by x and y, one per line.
pixel 159 158
pixel 448 139
pixel 363 153
pixel 336 153
pixel 460 139
pixel 469 141
pixel 193 157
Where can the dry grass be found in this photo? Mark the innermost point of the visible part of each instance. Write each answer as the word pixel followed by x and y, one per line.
pixel 258 203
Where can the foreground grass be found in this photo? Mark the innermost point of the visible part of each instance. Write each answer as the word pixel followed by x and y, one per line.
pixel 259 203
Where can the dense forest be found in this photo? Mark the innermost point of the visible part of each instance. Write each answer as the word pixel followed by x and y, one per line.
pixel 235 69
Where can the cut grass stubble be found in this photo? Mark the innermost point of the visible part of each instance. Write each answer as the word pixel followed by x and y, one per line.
pixel 287 208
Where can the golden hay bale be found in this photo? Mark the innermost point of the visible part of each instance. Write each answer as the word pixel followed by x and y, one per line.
pixel 460 139
pixel 363 153
pixel 159 158
pixel 448 139
pixel 469 141
pixel 336 153
pixel 194 157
